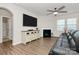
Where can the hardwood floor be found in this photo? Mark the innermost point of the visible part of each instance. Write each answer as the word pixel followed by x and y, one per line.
pixel 40 46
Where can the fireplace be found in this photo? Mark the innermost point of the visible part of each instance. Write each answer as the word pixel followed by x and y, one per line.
pixel 47 33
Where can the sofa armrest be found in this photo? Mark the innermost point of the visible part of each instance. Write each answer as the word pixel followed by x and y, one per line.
pixel 62 51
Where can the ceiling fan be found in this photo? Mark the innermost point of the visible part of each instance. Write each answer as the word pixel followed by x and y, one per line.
pixel 56 11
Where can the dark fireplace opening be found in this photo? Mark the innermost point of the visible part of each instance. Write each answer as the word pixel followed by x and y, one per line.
pixel 47 33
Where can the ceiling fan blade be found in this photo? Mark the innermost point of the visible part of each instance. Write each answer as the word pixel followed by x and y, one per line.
pixel 62 11
pixel 50 10
pixel 61 8
pixel 49 13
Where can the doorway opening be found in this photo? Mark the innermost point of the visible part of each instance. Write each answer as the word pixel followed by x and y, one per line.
pixel 6 29
pixel 6 26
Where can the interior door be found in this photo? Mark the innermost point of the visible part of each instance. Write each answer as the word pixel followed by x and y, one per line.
pixel 5 28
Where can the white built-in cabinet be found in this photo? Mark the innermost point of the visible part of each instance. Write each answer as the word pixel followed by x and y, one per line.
pixel 28 36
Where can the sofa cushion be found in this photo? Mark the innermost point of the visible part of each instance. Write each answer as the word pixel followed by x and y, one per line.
pixel 65 43
pixel 63 51
pixel 71 42
pixel 76 39
pixel 62 42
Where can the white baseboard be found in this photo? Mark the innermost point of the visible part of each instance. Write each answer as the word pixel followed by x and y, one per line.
pixel 0 41
pixel 16 43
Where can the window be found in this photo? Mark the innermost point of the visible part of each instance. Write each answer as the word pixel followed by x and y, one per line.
pixel 60 25
pixel 71 23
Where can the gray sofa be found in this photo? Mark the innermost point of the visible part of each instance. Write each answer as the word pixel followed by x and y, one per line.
pixel 67 44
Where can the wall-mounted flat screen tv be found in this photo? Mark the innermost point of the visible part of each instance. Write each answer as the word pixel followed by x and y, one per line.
pixel 29 21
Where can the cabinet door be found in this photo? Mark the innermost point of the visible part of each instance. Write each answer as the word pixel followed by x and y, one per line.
pixel 32 35
pixel 28 37
pixel 37 34
pixel 23 37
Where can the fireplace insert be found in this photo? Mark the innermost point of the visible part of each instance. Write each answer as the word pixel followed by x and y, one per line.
pixel 47 33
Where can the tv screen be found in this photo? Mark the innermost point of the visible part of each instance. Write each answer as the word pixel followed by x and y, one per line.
pixel 29 20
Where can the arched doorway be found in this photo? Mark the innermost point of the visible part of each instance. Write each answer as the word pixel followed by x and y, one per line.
pixel 6 24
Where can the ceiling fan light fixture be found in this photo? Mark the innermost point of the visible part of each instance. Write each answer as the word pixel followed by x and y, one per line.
pixel 55 13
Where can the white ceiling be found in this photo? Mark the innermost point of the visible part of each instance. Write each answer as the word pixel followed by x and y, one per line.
pixel 40 9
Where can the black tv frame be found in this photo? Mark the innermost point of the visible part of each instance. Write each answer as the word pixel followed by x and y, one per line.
pixel 29 21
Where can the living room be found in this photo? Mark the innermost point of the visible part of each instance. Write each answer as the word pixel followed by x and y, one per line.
pixel 40 35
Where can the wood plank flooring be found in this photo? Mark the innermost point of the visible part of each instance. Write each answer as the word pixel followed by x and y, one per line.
pixel 40 46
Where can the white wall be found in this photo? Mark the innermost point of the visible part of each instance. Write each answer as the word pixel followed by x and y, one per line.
pixel 46 22
pixel 17 21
